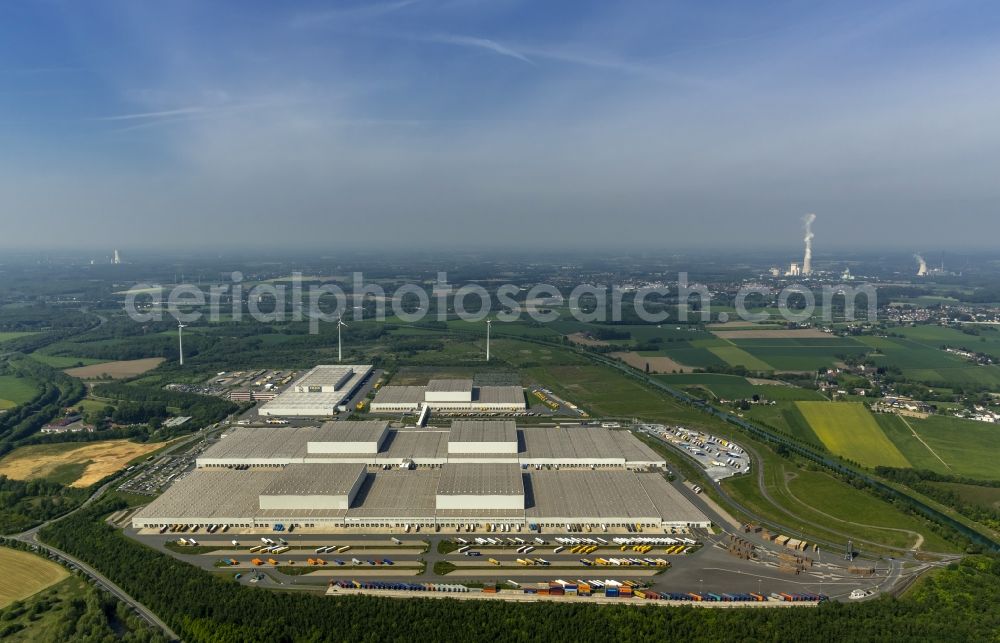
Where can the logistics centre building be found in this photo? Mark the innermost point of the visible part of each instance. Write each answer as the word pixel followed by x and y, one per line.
pixel 321 392
pixel 328 477
pixel 449 396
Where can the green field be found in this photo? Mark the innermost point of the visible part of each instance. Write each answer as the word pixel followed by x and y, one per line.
pixel 736 356
pixel 7 336
pixel 848 429
pixel 60 361
pixel 606 392
pixel 821 506
pixel 970 448
pixel 921 359
pixel 15 390
pixel 985 497
pixel 785 416
pixel 734 387
pixel 801 354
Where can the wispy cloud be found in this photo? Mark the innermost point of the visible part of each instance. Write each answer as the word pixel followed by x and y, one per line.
pixel 480 43
pixel 166 113
pixel 366 11
pixel 583 58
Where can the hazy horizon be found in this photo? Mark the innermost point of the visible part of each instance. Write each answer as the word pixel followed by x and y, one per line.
pixel 433 123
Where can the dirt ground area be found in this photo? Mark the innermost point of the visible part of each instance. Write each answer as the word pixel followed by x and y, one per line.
pixel 657 363
pixel 97 459
pixel 797 333
pixel 116 370
pixel 584 340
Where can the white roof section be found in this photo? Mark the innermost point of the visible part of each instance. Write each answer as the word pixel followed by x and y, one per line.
pixel 318 393
pixel 227 496
pixel 352 436
pixel 325 378
pixel 480 480
pixel 315 480
pixel 256 445
pixel 449 386
pixel 483 431
pixel 400 395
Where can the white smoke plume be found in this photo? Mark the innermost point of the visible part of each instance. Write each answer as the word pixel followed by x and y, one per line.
pixel 922 270
pixel 807 260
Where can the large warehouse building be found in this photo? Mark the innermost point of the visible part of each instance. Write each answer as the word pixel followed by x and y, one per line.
pixel 336 475
pixel 450 396
pixel 467 441
pixel 319 393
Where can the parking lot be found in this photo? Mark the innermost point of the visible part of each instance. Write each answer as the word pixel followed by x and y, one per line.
pixel 719 457
pixel 707 565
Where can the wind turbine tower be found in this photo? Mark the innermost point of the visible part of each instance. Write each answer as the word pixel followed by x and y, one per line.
pixel 340 324
pixel 180 341
pixel 489 324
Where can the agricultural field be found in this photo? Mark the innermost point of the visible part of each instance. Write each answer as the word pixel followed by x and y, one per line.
pixel 62 361
pixel 76 464
pixel 924 361
pixel 801 353
pixel 606 392
pixel 6 336
pixel 986 339
pixel 25 574
pixel 785 416
pixel 734 387
pixel 15 390
pixel 849 430
pixel 969 448
pixel 651 362
pixel 116 370
pixel 736 356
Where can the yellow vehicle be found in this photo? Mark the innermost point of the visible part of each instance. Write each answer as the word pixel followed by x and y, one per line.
pixel 494 561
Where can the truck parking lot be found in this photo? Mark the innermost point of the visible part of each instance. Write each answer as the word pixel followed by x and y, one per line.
pixel 719 457
pixel 706 566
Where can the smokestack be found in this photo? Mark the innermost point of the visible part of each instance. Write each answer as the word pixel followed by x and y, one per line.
pixel 922 270
pixel 807 260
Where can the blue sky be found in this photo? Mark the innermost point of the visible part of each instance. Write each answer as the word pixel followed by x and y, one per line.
pixel 672 124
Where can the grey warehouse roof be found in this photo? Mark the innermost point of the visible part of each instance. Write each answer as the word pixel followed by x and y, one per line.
pixel 315 480
pixel 325 375
pixel 499 395
pixel 449 386
pixel 483 431
pixel 607 494
pixel 350 431
pixel 252 443
pixel 480 480
pixel 400 395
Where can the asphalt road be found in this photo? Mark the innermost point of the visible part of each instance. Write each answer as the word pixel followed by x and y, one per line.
pixel 31 537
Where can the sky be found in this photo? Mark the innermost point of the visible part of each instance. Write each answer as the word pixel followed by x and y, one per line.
pixel 542 124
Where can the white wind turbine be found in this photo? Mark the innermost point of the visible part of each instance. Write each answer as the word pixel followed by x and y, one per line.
pixel 340 324
pixel 180 340
pixel 489 324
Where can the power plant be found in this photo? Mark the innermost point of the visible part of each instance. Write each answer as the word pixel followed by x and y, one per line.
pixel 807 259
pixel 922 270
pixel 805 269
